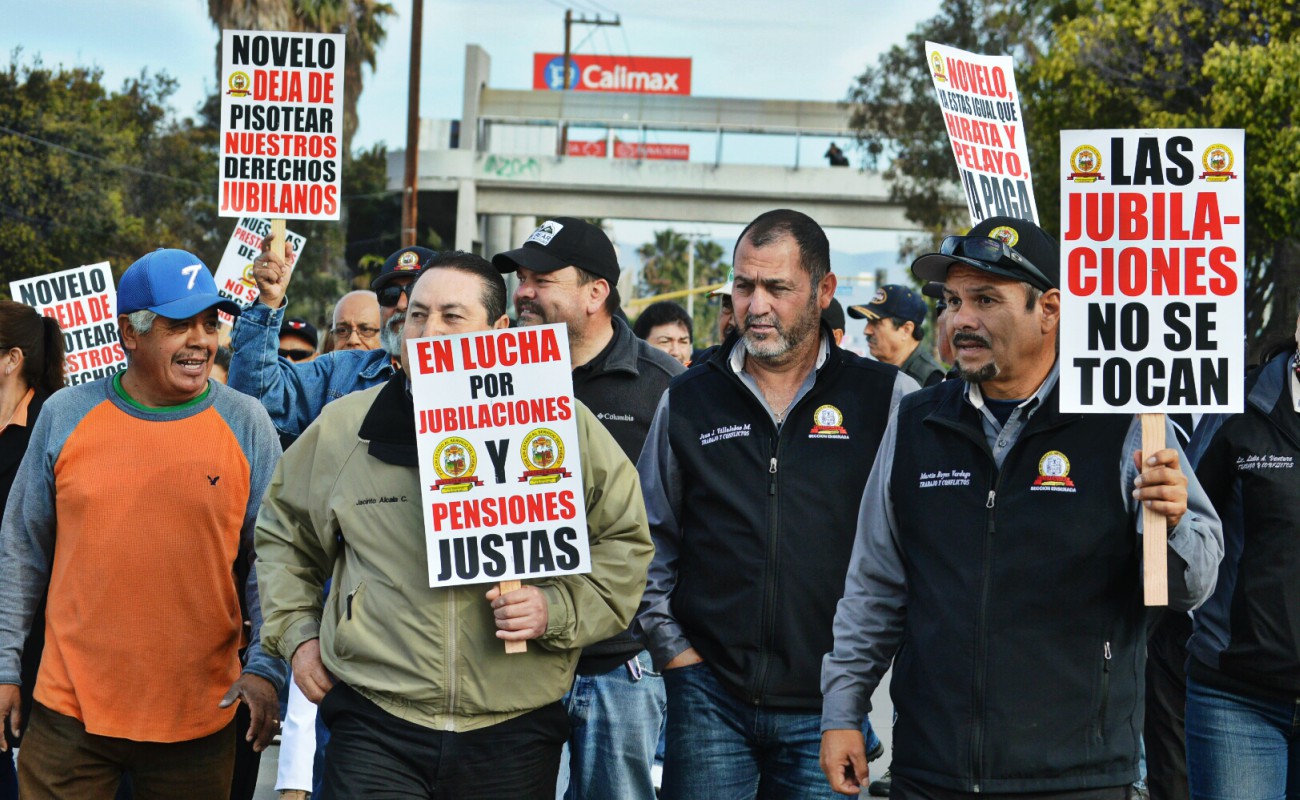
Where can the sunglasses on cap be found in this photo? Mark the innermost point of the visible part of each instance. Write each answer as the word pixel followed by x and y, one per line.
pixel 992 251
pixel 390 294
pixel 295 354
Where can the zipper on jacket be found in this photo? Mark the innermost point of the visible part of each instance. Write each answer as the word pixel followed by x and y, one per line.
pixel 450 637
pixel 981 636
pixel 769 578
pixel 1105 692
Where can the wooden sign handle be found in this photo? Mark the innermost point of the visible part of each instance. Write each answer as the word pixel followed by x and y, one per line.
pixel 277 237
pixel 1155 539
pixel 512 647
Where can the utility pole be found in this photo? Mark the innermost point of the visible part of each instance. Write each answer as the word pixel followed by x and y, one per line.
pixel 691 238
pixel 410 206
pixel 562 147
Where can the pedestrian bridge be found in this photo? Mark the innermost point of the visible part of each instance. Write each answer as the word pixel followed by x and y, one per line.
pixel 500 189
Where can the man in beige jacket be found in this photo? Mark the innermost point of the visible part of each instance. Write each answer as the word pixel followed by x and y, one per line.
pixel 414 682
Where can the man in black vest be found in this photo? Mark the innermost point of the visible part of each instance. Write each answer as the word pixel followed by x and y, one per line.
pixel 568 272
pixel 1001 548
pixel 752 472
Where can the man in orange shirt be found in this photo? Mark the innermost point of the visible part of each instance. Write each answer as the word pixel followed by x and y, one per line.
pixel 138 495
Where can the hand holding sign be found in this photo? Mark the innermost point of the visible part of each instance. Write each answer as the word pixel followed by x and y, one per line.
pixel 271 274
pixel 521 614
pixel 1162 487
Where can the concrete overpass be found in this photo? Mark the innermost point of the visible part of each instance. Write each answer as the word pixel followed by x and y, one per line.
pixel 499 190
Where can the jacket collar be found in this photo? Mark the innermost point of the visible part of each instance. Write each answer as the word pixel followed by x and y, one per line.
pixel 377 367
pixel 622 356
pixel 389 425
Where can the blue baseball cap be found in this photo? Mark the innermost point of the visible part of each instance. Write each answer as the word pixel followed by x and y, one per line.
pixel 172 284
pixel 892 300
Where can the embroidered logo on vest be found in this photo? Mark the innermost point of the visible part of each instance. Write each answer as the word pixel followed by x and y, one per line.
pixel 1053 473
pixel 828 423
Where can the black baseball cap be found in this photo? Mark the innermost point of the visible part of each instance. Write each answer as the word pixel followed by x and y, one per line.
pixel 564 242
pixel 892 300
pixel 407 261
pixel 833 315
pixel 1024 253
pixel 302 329
pixel 933 289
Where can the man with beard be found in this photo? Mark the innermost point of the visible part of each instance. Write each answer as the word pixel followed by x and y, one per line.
pixel 752 475
pixel 294 394
pixel 1002 543
pixel 568 272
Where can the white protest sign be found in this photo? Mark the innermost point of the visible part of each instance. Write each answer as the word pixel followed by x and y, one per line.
pixel 281 124
pixel 1152 271
pixel 981 110
pixel 235 272
pixel 84 302
pixel 500 469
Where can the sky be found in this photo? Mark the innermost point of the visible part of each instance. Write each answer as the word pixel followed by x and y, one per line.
pixel 740 48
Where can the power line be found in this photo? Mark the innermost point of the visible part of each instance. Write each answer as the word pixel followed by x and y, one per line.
pixel 102 160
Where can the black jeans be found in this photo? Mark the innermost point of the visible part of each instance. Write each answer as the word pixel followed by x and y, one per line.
pixel 375 755
pixel 903 789
pixel 1166 705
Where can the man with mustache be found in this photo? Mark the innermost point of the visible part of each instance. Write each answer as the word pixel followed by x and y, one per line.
pixel 999 538
pixel 138 497
pixel 752 475
pixel 894 330
pixel 294 394
pixel 568 272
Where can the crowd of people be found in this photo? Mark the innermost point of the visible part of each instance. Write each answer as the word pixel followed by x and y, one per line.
pixel 219 545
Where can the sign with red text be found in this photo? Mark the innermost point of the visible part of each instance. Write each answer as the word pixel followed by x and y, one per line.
pixel 500 467
pixel 235 272
pixel 281 125
pixel 663 152
pixel 84 302
pixel 981 110
pixel 594 149
pixel 1153 271
pixel 634 74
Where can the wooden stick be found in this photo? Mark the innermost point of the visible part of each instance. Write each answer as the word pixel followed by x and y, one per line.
pixel 277 238
pixel 512 646
pixel 1155 538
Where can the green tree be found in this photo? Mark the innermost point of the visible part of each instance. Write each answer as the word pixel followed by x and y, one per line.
pixel 664 268
pixel 88 174
pixel 1118 64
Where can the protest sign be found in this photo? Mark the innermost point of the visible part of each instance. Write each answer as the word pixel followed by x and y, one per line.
pixel 281 124
pixel 235 272
pixel 500 468
pixel 84 302
pixel 1152 257
pixel 981 110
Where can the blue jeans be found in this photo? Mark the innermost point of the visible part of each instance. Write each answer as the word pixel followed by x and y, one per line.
pixel 615 719
pixel 1241 746
pixel 723 749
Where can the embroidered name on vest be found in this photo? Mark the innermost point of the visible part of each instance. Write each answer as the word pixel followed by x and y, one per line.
pixel 955 477
pixel 1264 461
pixel 725 432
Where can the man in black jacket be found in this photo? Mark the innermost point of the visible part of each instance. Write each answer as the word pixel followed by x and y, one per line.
pixel 568 272
pixel 752 476
pixel 1002 545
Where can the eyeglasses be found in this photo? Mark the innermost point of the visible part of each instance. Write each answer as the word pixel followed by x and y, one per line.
pixel 994 251
pixel 390 294
pixel 296 354
pixel 344 332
